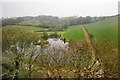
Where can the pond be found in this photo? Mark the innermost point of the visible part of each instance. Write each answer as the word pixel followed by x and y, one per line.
pixel 57 43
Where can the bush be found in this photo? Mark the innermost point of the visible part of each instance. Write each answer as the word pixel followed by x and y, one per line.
pixel 44 35
pixel 12 36
pixel 54 35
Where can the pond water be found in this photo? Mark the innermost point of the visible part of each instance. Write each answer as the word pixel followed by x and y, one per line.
pixel 57 43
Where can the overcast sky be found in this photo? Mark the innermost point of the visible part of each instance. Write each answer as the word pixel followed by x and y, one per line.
pixel 60 8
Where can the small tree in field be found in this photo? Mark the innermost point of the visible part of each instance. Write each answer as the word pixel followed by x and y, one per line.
pixel 44 35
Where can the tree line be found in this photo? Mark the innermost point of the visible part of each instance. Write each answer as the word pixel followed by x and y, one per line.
pixel 44 21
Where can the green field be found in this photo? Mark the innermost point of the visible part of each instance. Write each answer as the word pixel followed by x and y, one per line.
pixel 103 29
pixel 74 33
pixel 31 29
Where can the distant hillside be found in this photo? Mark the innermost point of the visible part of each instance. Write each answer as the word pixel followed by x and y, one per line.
pixel 45 21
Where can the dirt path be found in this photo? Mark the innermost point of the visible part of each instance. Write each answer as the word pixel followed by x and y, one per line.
pixel 95 62
pixel 89 39
pixel 87 34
